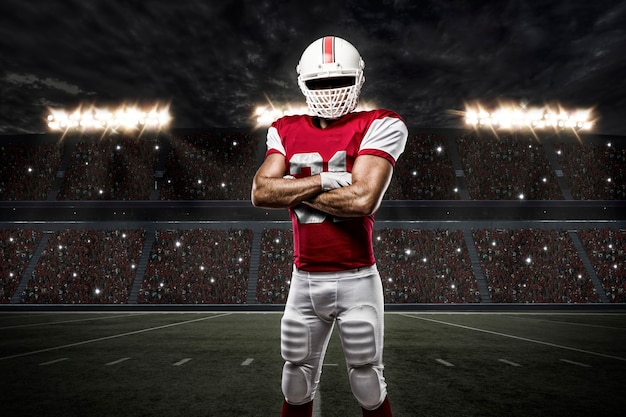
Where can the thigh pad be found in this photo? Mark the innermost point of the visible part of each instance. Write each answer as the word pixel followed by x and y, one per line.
pixel 360 330
pixel 295 337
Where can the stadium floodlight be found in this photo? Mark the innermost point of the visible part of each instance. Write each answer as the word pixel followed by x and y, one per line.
pixel 123 118
pixel 514 117
pixel 265 114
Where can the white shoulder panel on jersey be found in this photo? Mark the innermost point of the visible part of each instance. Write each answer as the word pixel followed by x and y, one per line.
pixel 388 134
pixel 274 141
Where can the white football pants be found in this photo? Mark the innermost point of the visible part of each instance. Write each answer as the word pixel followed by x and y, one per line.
pixel 354 299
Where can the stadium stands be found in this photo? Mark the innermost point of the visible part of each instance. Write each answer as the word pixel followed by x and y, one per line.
pixel 199 266
pixel 533 266
pixel 27 171
pixel 87 264
pixel 425 266
pixel 210 266
pixel 219 165
pixel 593 171
pixel 507 169
pixel 417 266
pixel 275 266
pixel 16 249
pixel 111 168
pixel 424 172
pixel 81 266
pixel 207 266
pixel 210 167
pixel 606 249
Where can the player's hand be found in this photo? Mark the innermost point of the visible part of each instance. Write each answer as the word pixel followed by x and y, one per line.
pixel 333 180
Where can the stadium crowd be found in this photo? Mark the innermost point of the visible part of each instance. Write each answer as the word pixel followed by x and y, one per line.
pixel 212 266
pixel 424 171
pixel 275 266
pixel 80 266
pixel 507 169
pixel 606 249
pixel 28 171
pixel 210 167
pixel 533 266
pixel 425 266
pixel 594 172
pixel 198 266
pixel 16 249
pixel 219 165
pixel 417 266
pixel 111 168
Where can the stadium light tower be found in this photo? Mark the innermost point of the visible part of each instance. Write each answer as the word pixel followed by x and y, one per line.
pixel 123 118
pixel 265 114
pixel 514 117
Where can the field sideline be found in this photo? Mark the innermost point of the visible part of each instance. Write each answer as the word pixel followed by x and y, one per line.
pixel 228 364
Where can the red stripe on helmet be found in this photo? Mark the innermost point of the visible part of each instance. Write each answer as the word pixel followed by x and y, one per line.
pixel 328 49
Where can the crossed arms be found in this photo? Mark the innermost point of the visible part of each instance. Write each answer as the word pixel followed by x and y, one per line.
pixel 370 178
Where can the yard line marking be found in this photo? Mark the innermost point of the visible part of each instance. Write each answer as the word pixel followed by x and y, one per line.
pixel 67 321
pixel 516 337
pixel 116 362
pixel 509 362
pixel 115 336
pixel 330 364
pixel 54 361
pixel 570 323
pixel 445 363
pixel 247 362
pixel 182 362
pixel 584 365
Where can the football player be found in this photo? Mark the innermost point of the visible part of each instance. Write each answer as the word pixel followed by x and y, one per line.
pixel 331 170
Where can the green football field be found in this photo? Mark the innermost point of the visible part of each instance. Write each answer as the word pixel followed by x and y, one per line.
pixel 228 364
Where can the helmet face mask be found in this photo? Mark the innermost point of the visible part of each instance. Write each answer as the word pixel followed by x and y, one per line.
pixel 330 75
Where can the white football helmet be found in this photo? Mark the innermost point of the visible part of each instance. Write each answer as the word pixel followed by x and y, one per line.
pixel 330 75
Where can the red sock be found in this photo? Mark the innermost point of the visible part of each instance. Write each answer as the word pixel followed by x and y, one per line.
pixel 304 410
pixel 383 411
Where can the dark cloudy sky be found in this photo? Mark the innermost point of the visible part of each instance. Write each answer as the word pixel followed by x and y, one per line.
pixel 214 61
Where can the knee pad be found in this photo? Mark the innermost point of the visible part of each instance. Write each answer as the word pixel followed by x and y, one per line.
pixel 296 384
pixel 295 344
pixel 359 330
pixel 368 386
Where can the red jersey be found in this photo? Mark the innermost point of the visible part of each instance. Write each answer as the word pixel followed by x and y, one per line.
pixel 323 242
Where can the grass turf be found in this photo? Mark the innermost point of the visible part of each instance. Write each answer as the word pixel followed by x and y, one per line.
pixel 198 364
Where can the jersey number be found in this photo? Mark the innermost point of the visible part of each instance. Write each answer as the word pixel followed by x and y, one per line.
pixel 315 162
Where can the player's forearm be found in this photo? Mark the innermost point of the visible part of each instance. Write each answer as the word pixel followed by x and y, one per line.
pixel 270 192
pixel 350 201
